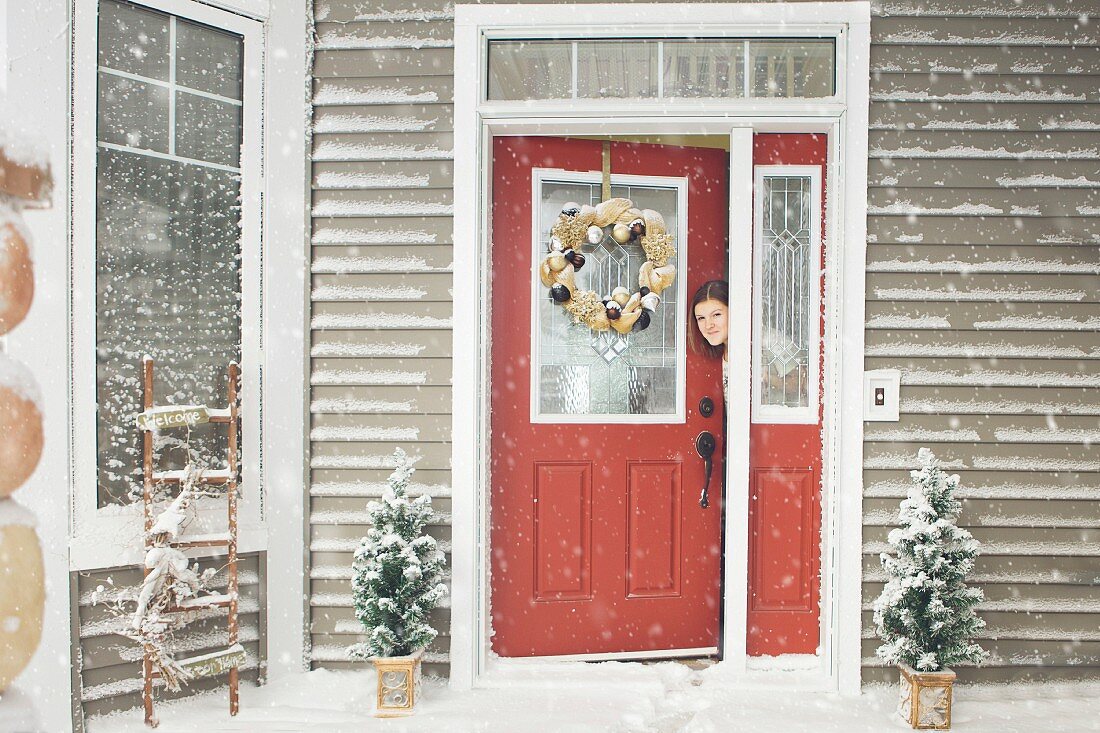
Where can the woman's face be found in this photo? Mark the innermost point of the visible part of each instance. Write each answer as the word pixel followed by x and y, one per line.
pixel 710 317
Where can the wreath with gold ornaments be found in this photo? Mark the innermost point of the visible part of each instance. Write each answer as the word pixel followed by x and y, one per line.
pixel 623 309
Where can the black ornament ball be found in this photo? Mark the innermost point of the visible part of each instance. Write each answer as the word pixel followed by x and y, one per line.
pixel 568 255
pixel 644 291
pixel 577 260
pixel 613 311
pixel 571 209
pixel 559 293
pixel 637 228
pixel 642 323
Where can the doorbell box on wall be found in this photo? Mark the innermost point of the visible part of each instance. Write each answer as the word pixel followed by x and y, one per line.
pixel 881 394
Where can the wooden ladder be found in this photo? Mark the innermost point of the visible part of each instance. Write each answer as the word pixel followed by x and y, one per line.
pixel 229 600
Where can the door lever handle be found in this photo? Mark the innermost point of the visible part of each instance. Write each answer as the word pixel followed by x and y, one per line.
pixel 704 446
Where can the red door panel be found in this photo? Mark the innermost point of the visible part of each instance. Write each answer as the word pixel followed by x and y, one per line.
pixel 563 531
pixel 785 482
pixel 599 544
pixel 654 519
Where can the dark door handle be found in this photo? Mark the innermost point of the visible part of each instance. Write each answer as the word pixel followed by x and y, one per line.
pixel 705 445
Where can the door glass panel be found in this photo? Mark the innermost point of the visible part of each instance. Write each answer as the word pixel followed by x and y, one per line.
pixel 585 372
pixel 786 294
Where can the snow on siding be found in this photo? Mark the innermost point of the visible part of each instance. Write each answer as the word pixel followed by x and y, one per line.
pixel 402 321
pixel 327 235
pixel 330 95
pixel 1005 294
pixel 330 151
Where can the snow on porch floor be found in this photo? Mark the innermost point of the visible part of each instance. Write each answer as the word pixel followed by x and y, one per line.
pixel 571 697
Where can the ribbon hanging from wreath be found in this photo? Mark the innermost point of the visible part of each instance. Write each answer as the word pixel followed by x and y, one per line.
pixel 624 309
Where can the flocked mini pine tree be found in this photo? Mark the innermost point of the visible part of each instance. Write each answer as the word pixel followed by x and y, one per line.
pixel 925 614
pixel 397 572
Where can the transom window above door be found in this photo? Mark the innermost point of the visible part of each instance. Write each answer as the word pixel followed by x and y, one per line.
pixel 661 68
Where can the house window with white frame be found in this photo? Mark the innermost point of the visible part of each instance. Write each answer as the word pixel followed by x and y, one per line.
pixel 169 243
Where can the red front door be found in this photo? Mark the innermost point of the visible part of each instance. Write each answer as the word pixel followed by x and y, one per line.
pixel 785 435
pixel 599 542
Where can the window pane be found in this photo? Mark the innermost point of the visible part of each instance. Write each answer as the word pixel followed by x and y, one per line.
pixel 207 129
pixel 786 296
pixel 168 285
pixel 133 113
pixel 134 40
pixel 208 60
pixel 616 69
pixel 792 68
pixel 583 372
pixel 168 244
pixel 704 68
pixel 530 69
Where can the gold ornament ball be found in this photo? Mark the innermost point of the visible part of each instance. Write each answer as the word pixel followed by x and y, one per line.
pixel 620 295
pixel 22 592
pixel 621 233
pixel 20 439
pixel 16 278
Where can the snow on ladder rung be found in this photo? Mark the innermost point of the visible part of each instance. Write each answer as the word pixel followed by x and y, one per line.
pixel 207 477
pixel 218 600
pixel 202 540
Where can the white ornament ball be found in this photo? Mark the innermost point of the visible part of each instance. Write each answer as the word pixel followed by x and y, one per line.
pixel 595 234
pixel 22 590
pixel 20 425
pixel 556 244
pixel 16 277
pixel 650 301
pixel 621 233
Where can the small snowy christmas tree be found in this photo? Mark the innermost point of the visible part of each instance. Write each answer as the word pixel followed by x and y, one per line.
pixel 397 572
pixel 925 615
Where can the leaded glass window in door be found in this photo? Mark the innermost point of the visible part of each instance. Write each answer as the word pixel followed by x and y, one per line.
pixel 605 376
pixel 786 330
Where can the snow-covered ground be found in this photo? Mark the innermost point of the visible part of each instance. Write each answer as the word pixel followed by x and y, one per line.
pixel 613 697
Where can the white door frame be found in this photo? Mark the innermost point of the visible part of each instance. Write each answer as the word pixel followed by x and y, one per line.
pixel 844 119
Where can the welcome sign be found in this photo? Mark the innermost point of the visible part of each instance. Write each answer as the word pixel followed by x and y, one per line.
pixel 181 416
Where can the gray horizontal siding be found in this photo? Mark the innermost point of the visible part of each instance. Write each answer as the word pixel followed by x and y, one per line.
pixel 983 280
pixel 110 677
pixel 381 290
pixel 982 288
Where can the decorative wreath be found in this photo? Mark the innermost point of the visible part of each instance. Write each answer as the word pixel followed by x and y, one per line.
pixel 622 310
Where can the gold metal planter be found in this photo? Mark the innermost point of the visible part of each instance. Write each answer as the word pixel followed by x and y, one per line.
pixel 925 699
pixel 398 685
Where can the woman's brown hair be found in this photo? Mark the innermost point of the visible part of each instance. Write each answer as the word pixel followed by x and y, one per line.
pixel 712 290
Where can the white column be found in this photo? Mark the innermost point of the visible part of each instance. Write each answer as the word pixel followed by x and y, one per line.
pixel 738 345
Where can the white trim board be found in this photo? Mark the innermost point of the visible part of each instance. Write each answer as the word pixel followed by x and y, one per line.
pixel 844 119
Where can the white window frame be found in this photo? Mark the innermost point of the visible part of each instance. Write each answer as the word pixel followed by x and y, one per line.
pixel 680 185
pixel 780 414
pixel 845 123
pixel 111 536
